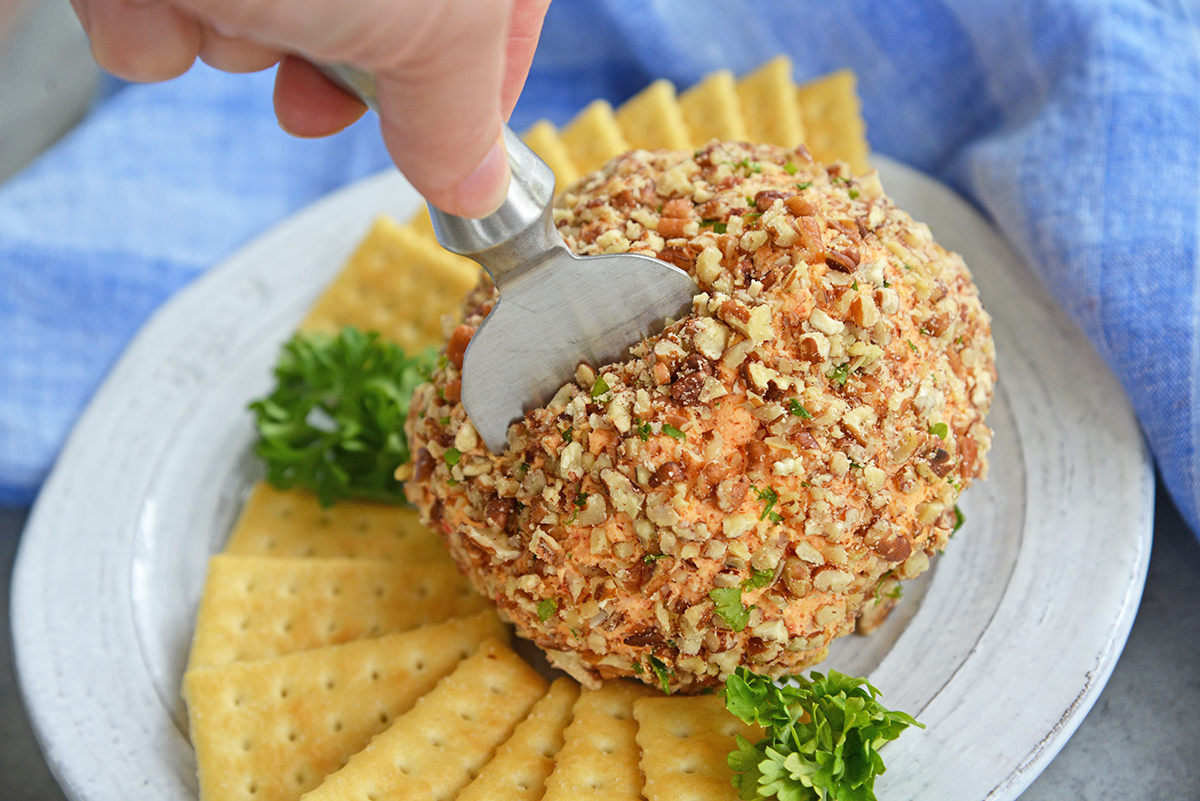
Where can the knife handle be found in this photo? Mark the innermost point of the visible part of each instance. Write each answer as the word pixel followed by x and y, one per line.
pixel 508 239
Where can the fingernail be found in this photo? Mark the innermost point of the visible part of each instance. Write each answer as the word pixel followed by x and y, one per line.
pixel 485 187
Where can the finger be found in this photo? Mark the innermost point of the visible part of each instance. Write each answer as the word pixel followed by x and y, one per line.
pixel 142 41
pixel 439 67
pixel 235 53
pixel 441 109
pixel 307 104
pixel 525 27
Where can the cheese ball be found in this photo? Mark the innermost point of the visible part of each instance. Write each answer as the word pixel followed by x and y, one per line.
pixel 757 478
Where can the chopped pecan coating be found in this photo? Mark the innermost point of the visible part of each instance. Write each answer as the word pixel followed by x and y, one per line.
pixel 777 444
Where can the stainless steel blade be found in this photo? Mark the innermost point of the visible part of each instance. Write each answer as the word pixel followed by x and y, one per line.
pixel 555 310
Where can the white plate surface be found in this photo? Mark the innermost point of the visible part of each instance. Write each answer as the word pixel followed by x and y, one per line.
pixel 1000 650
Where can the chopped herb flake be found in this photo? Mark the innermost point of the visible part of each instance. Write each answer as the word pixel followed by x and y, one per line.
pixel 643 429
pixel 939 430
pixel 840 374
pixel 795 408
pixel 662 672
pixel 770 497
pixel 452 456
pixel 672 431
pixel 546 608
pixel 758 580
pixel 805 185
pixel 599 387
pixel 790 168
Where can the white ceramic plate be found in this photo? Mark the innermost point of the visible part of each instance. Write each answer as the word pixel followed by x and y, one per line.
pixel 1000 650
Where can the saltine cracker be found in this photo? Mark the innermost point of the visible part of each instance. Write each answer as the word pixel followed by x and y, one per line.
pixel 449 735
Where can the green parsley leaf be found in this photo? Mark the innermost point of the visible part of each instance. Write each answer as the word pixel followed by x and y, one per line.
pixel 911 346
pixel 672 431
pixel 795 408
pixel 729 607
pixel 758 580
pixel 651 558
pixel 452 456
pixel 546 608
pixel 840 374
pixel 822 737
pixel 662 672
pixel 334 424
pixel 567 434
pixel 643 429
pixel 939 430
pixel 771 497
pixel 790 168
pixel 959 519
pixel 599 387
pixel 805 185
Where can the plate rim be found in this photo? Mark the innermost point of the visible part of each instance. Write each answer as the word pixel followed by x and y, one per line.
pixel 35 552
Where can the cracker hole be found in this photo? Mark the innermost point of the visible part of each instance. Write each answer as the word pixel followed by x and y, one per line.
pixel 383 717
pixel 423 591
pixel 496 689
pixel 374 675
pixel 379 592
pixel 252 789
pixel 245 745
pixel 244 624
pixel 293 589
pixel 335 590
pixel 283 692
pixel 300 779
pixel 291 737
pixel 330 684
pixel 363 527
pixel 286 627
pixel 310 551
pixel 332 627
pixel 524 785
pixel 337 725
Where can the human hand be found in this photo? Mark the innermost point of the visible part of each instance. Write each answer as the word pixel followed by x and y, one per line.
pixel 448 72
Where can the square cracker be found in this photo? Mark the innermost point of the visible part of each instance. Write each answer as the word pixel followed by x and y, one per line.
pixel 518 771
pixel 440 745
pixel 398 283
pixel 833 123
pixel 599 758
pixel 770 106
pixel 272 729
pixel 652 119
pixel 543 138
pixel 254 607
pixel 593 137
pixel 685 743
pixel 293 523
pixel 712 109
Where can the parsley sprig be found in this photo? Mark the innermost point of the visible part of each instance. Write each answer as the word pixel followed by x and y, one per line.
pixel 822 737
pixel 334 423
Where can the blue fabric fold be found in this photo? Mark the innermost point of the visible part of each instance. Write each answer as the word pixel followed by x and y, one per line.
pixel 1074 124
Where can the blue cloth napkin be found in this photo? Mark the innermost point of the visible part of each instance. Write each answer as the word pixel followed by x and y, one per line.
pixel 1075 124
